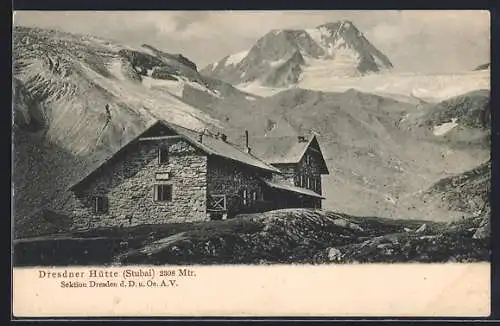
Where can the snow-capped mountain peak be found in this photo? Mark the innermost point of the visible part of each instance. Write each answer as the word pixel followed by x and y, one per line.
pixel 281 56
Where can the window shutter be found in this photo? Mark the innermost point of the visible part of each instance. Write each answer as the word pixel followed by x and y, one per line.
pixel 99 204
pixel 104 204
pixel 155 189
pixel 168 192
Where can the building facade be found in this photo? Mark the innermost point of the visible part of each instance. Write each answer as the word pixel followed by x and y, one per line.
pixel 172 174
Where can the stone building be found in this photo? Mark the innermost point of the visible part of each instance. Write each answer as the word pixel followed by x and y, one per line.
pixel 172 174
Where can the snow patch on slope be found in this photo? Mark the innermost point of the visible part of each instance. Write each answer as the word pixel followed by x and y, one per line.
pixel 276 63
pixel 146 100
pixel 200 87
pixel 445 127
pixel 257 89
pixel 176 87
pixel 173 87
pixel 115 68
pixel 316 34
pixel 236 58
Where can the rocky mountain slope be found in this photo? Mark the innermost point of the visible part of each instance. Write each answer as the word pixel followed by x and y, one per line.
pixel 468 192
pixel 460 121
pixel 373 144
pixel 280 57
pixel 458 197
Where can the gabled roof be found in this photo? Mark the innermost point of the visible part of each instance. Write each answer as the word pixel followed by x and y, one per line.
pixel 284 149
pixel 215 146
pixel 289 187
pixel 209 145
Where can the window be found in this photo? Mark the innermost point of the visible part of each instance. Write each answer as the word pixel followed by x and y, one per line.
pixel 163 192
pixel 308 182
pixel 163 155
pixel 100 205
pixel 244 197
pixel 301 181
pixel 254 196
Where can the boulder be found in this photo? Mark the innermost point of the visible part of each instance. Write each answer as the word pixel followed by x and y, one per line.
pixel 483 231
pixel 334 254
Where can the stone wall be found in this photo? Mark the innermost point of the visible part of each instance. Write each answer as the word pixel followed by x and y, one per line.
pixel 128 179
pixel 228 178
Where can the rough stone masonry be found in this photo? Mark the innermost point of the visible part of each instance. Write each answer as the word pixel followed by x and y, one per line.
pixel 127 182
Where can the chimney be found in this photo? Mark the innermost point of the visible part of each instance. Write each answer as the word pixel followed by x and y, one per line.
pixel 247 148
pixel 302 139
pixel 200 137
pixel 223 137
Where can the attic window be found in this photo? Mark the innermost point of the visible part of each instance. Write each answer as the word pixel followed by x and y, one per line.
pixel 163 155
pixel 99 204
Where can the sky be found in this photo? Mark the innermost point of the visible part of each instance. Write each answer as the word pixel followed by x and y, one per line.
pixel 415 41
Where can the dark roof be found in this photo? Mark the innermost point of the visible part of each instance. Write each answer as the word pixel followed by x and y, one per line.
pixel 283 149
pixel 289 187
pixel 210 145
pixel 215 146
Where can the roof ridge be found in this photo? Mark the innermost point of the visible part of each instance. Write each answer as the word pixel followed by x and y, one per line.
pixel 234 146
pixel 181 130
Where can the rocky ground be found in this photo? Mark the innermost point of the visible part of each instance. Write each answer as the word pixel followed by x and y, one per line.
pixel 283 236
